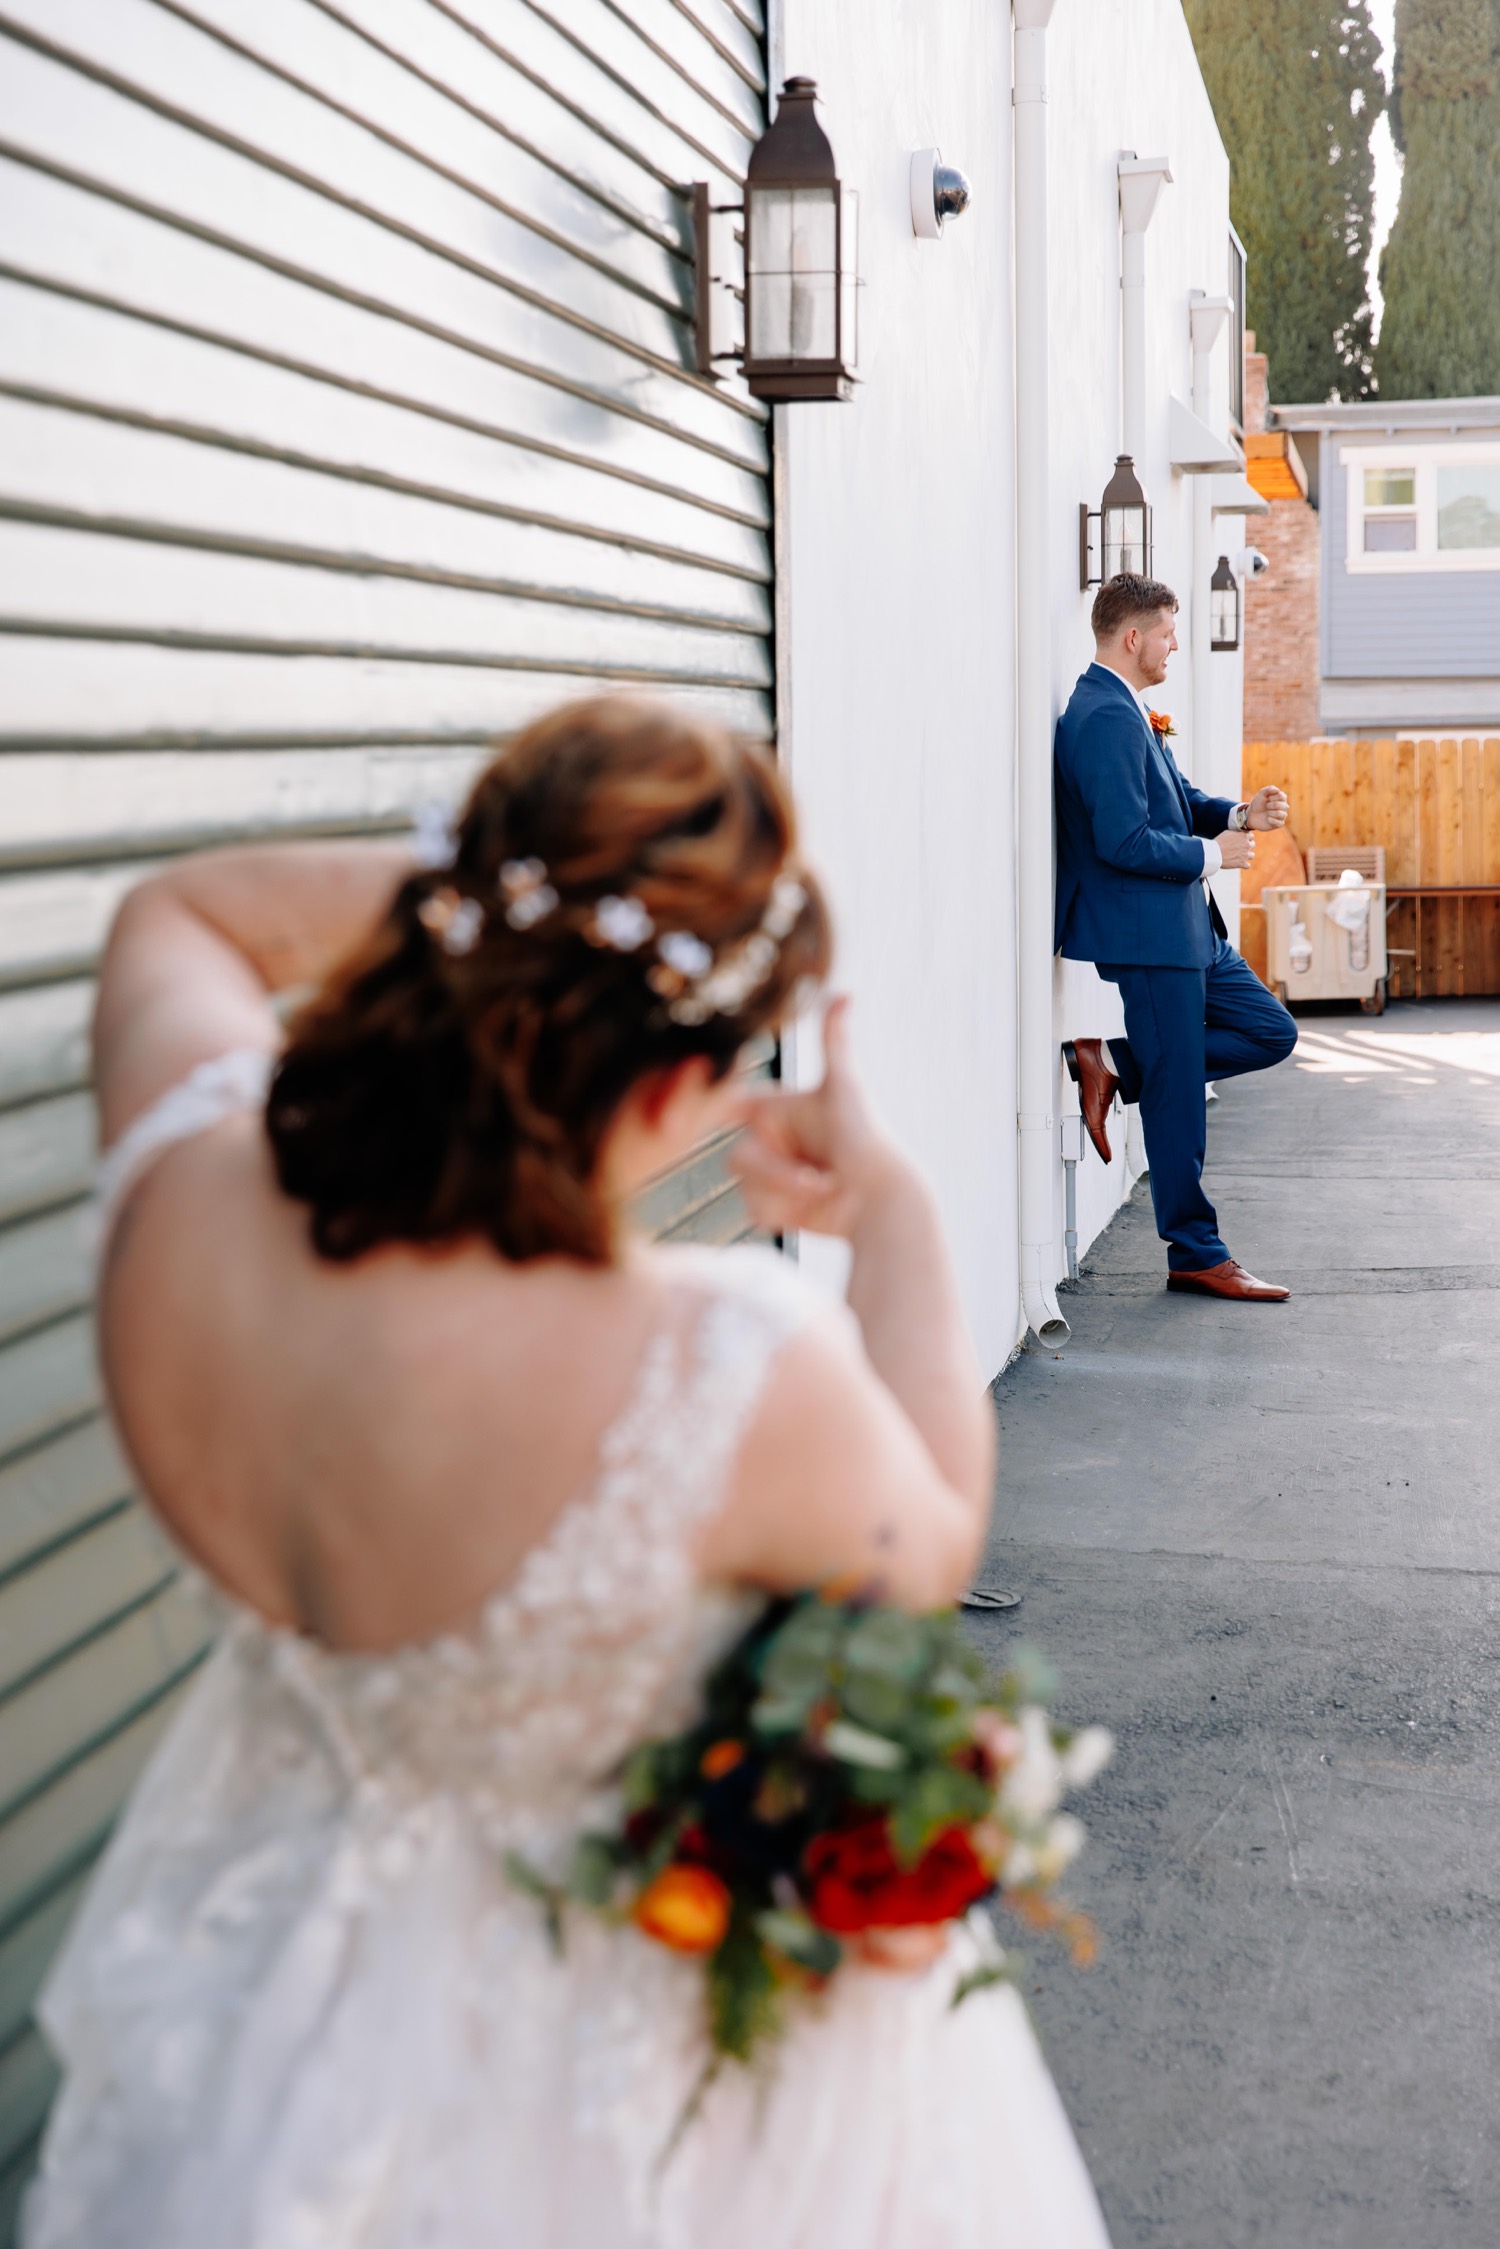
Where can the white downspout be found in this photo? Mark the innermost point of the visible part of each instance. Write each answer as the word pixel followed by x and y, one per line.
pixel 1206 318
pixel 1037 1056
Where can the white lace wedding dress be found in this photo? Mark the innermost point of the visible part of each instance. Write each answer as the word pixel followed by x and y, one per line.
pixel 304 2008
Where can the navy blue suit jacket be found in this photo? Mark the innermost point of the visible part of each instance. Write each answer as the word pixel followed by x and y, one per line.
pixel 1129 866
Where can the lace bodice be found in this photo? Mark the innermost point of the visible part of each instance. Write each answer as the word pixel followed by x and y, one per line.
pixel 606 1631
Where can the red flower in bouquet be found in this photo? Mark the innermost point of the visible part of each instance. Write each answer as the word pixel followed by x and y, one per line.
pixel 856 1882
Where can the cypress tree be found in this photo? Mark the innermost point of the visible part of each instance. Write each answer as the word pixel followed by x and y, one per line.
pixel 1296 91
pixel 1440 270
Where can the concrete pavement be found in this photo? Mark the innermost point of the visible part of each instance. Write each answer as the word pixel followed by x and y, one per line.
pixel 1263 1543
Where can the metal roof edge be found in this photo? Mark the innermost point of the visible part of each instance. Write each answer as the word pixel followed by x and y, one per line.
pixel 1395 414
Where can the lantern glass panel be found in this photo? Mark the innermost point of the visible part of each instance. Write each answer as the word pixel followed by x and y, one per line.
pixel 1224 610
pixel 793 280
pixel 1125 545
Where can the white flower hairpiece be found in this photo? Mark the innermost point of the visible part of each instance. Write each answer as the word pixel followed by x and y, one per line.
pixel 622 923
pixel 529 897
pixel 696 986
pixel 686 954
pixel 434 835
pixel 454 921
pixel 686 973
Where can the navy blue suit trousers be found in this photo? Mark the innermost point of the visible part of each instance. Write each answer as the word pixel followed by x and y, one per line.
pixel 1183 1027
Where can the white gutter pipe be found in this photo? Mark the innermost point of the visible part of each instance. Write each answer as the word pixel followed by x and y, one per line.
pixel 1206 318
pixel 1038 1062
pixel 1142 179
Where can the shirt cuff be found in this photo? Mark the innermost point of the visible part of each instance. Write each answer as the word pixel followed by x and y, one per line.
pixel 1213 857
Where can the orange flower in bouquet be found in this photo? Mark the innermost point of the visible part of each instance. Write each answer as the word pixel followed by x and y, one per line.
pixel 685 1908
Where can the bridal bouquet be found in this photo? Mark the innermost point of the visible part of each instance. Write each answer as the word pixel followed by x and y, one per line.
pixel 854 1778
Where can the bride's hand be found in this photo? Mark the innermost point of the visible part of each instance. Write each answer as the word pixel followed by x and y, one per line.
pixel 815 1160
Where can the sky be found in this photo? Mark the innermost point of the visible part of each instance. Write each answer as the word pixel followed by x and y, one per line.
pixel 1387 162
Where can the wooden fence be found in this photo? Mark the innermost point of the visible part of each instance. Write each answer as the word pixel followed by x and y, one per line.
pixel 1435 806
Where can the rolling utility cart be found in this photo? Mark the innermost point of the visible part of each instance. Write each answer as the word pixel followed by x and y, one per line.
pixel 1325 939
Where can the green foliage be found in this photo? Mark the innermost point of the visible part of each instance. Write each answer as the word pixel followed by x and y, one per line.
pixel 1296 91
pixel 1440 271
pixel 743 1998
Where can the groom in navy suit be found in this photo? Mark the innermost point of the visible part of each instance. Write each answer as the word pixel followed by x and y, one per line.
pixel 1135 846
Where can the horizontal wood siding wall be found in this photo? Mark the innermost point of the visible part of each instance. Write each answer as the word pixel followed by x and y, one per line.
pixel 1435 806
pixel 1407 624
pixel 347 419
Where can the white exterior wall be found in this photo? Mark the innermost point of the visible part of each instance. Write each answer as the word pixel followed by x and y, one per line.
pixel 896 549
pixel 896 609
pixel 1123 75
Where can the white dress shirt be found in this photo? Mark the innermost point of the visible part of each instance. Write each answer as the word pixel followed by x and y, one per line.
pixel 1213 857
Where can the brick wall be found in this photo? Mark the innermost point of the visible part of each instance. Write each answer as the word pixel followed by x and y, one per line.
pixel 1281 607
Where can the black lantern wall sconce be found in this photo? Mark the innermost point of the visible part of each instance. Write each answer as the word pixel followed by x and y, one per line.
pixel 1224 607
pixel 800 244
pixel 1116 535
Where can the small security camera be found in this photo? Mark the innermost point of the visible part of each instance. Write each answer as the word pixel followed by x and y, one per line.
pixel 938 191
pixel 1256 563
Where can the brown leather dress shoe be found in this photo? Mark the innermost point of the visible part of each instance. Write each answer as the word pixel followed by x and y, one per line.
pixel 1096 1083
pixel 1230 1279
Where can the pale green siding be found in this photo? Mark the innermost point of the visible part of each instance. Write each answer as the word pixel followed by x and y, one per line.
pixel 347 418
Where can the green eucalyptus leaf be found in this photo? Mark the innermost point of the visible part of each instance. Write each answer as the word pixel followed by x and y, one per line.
pixel 952 1682
pixel 800 1938
pixel 881 1704
pixel 869 1784
pixel 525 1877
pixel 591 1876
pixel 780 1714
pixel 980 1979
pixel 888 1643
pixel 1030 1677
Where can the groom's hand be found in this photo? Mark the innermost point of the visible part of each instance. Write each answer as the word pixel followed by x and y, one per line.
pixel 1268 808
pixel 1237 848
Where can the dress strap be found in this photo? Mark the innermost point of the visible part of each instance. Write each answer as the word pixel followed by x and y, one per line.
pixel 224 1087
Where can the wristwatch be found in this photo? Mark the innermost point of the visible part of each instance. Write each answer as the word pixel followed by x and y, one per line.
pixel 1240 818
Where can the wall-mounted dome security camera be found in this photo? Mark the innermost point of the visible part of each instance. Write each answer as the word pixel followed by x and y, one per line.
pixel 1255 564
pixel 938 191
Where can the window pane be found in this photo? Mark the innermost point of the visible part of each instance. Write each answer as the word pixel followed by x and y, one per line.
pixel 1468 507
pixel 1237 328
pixel 1390 488
pixel 1390 534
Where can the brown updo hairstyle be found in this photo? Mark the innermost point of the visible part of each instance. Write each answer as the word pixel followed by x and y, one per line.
pixel 429 1094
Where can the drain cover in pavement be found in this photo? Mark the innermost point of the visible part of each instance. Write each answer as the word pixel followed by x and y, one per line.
pixel 983 1597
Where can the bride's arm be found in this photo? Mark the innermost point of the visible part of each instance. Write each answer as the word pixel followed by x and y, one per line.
pixel 875 1461
pixel 198 951
pixel 819 1161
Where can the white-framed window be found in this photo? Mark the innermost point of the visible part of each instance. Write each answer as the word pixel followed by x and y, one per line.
pixel 1423 506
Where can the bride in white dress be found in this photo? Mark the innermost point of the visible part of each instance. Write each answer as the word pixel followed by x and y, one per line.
pixel 485 1483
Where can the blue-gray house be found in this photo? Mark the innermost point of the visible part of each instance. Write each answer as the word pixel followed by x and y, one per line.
pixel 1408 499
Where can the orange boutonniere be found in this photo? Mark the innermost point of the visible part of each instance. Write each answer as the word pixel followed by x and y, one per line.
pixel 1161 725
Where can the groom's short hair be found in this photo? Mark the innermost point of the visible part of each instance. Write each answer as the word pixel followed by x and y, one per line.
pixel 1120 600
